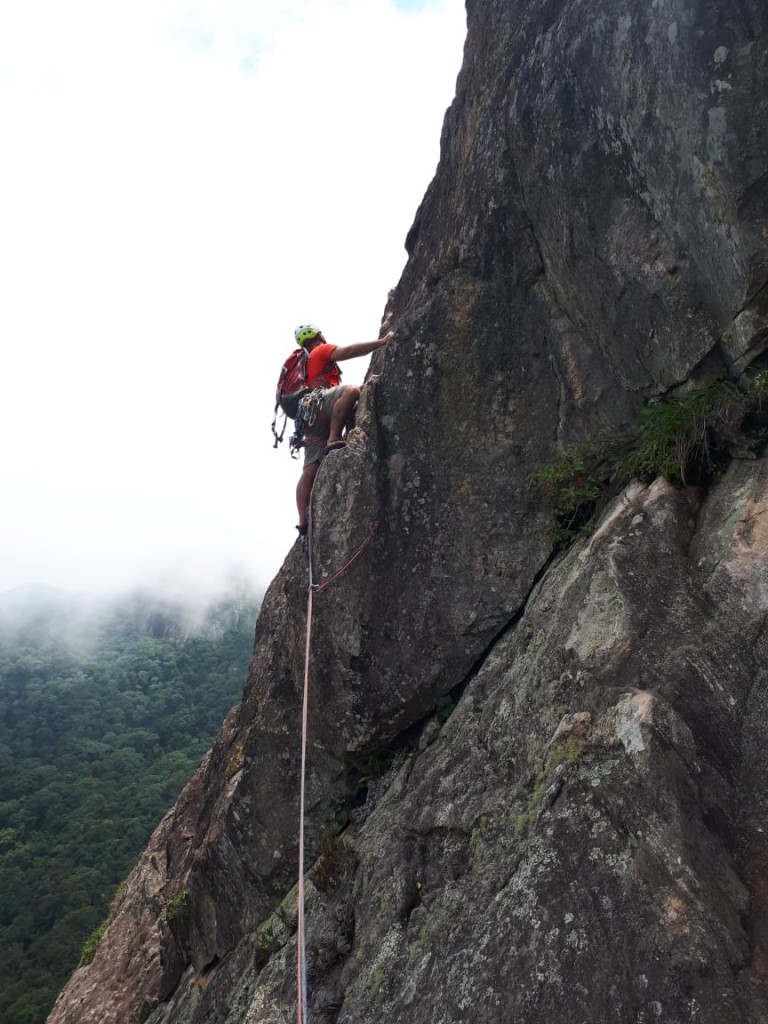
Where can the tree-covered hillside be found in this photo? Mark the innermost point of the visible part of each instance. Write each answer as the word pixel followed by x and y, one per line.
pixel 103 718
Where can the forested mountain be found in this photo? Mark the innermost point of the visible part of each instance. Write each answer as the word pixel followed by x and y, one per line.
pixel 105 712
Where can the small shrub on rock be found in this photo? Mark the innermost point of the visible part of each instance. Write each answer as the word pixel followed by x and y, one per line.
pixel 678 438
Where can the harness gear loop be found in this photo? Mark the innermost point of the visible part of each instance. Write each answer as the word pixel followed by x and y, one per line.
pixel 305 418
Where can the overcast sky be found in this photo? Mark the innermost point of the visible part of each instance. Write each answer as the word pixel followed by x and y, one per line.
pixel 180 185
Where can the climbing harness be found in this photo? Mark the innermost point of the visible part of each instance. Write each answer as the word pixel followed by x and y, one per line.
pixel 305 418
pixel 306 414
pixel 301 951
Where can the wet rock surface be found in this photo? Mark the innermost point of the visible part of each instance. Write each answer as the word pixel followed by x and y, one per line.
pixel 554 767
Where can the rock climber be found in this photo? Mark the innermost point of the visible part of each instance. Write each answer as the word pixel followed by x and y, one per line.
pixel 334 405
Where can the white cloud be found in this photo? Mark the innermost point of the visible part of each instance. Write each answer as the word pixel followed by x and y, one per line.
pixel 181 185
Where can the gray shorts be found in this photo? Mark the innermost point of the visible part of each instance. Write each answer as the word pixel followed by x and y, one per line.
pixel 316 436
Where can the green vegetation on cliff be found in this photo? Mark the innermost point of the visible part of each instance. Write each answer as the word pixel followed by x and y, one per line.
pixel 685 439
pixel 97 737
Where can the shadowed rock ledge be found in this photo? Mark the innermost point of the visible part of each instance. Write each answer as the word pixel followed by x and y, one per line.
pixel 554 767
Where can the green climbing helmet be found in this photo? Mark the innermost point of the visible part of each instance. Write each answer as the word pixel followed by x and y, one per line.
pixel 305 333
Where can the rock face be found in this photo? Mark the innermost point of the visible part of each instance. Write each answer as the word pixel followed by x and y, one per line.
pixel 563 758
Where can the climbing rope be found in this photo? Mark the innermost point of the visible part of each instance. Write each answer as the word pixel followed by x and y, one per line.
pixel 301 950
pixel 350 561
pixel 301 1000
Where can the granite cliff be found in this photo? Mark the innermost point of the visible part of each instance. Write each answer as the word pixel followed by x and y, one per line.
pixel 548 768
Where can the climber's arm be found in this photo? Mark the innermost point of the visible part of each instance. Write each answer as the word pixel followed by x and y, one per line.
pixel 361 348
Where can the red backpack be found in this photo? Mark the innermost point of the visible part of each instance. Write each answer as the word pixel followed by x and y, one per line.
pixel 292 382
pixel 291 388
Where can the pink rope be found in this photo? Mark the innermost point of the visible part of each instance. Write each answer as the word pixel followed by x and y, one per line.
pixel 350 561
